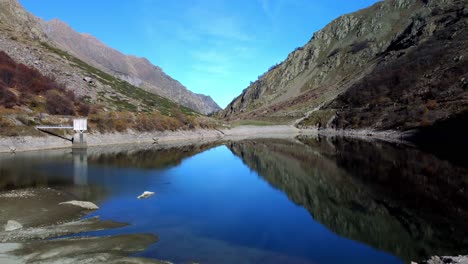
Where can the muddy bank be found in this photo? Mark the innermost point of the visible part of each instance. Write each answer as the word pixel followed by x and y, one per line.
pixel 39 218
pixel 28 143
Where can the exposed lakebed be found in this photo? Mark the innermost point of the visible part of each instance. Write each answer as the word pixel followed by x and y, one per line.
pixel 301 200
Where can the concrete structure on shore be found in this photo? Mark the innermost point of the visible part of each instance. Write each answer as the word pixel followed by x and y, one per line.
pixel 80 126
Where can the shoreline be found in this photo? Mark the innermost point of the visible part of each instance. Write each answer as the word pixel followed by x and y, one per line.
pixel 44 231
pixel 30 143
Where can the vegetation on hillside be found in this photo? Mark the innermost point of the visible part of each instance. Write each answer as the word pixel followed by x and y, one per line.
pixel 420 87
pixel 21 85
pixel 148 101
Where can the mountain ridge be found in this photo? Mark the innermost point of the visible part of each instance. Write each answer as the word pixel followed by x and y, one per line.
pixel 138 71
pixel 313 83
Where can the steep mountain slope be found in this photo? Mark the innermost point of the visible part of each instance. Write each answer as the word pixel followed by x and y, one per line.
pixel 137 71
pixel 399 64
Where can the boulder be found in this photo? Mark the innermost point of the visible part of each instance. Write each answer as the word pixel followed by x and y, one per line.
pixel 13 225
pixel 88 79
pixel 145 195
pixel 82 204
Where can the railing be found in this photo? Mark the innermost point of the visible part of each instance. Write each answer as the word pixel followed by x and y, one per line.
pixel 54 127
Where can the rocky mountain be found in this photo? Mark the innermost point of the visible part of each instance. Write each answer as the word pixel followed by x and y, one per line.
pixel 41 83
pixel 399 64
pixel 137 71
pixel 13 15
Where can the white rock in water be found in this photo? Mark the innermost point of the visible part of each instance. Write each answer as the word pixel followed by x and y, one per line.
pixel 82 204
pixel 145 195
pixel 12 225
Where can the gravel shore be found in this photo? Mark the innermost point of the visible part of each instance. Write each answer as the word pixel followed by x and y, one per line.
pixel 43 217
pixel 28 143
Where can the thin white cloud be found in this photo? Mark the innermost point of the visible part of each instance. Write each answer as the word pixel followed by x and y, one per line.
pixel 213 40
pixel 209 69
pixel 217 24
pixel 266 7
pixel 214 56
pixel 272 8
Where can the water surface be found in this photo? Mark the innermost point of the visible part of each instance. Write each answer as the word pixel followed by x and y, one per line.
pixel 303 200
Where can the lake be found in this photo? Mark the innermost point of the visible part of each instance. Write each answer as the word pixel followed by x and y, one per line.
pixel 301 200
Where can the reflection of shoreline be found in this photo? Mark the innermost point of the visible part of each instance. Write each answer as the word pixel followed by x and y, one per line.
pixel 80 166
pixel 146 156
pixel 93 151
pixel 70 168
pixel 348 185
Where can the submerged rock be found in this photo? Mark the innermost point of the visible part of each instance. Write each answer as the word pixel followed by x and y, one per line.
pixel 69 228
pixel 13 225
pixel 82 204
pixel 112 249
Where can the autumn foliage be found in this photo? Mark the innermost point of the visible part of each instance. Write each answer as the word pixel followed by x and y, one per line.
pixel 23 85
pixel 145 122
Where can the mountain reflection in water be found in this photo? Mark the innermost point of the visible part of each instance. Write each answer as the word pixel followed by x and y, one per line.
pixel 397 199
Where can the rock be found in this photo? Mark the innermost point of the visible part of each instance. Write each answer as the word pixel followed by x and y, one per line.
pixel 82 204
pixel 145 195
pixel 88 79
pixel 13 225
pixel 43 115
pixel 458 58
pixel 446 260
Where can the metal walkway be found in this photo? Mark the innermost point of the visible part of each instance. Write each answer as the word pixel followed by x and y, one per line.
pixel 54 127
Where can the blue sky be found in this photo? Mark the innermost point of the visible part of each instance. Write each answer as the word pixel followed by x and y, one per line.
pixel 211 47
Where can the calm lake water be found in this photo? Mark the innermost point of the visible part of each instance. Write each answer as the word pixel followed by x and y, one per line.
pixel 303 200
